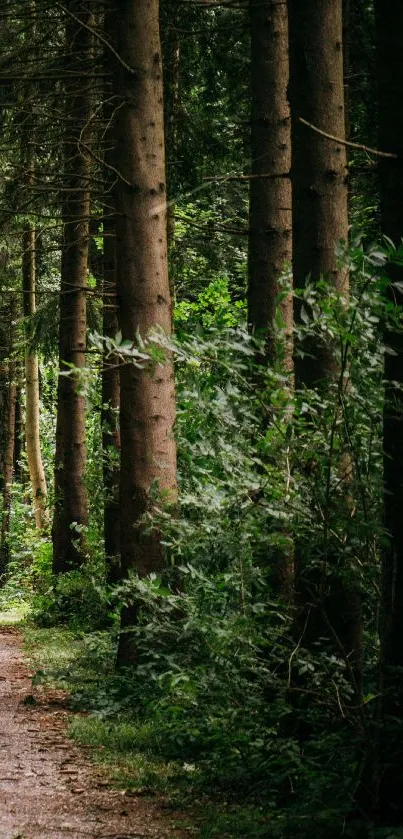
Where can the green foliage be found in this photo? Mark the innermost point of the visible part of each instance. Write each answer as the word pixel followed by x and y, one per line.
pixel 213 307
pixel 73 598
pixel 225 694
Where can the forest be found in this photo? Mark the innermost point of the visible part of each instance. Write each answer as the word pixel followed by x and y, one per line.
pixel 201 397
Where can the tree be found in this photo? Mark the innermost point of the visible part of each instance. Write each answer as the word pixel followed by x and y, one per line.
pixel 32 436
pixel 319 180
pixel 36 470
pixel 270 239
pixel 147 409
pixel 320 222
pixel 71 502
pixel 270 213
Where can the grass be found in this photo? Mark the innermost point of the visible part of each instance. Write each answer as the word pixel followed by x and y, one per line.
pixel 128 749
pixel 61 659
pixel 13 615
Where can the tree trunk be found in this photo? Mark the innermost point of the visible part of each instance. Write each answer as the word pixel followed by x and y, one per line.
pixel 329 594
pixel 147 411
pixel 319 180
pixel 35 465
pixel 71 501
pixel 389 25
pixel 270 237
pixel 270 234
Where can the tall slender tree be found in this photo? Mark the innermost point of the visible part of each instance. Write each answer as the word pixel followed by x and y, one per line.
pixel 71 502
pixel 319 172
pixel 32 413
pixel 270 221
pixel 270 212
pixel 148 451
pixel 330 595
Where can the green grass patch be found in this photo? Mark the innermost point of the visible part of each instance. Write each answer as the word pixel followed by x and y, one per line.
pixel 128 749
pixel 123 748
pixel 51 651
pixel 14 614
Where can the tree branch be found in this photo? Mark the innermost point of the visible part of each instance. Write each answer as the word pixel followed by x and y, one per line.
pixel 348 143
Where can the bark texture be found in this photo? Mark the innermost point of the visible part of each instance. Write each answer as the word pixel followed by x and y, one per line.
pixel 71 502
pixel 270 237
pixel 329 593
pixel 148 452
pixel 319 174
pixel 33 444
pixel 270 214
pixel 389 25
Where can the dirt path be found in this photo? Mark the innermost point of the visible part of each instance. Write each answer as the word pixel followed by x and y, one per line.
pixel 48 790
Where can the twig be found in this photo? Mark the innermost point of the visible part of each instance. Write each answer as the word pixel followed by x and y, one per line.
pixel 97 35
pixel 295 650
pixel 250 177
pixel 347 142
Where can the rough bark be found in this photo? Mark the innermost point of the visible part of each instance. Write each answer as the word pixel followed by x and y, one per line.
pixel 71 502
pixel 389 25
pixel 270 238
pixel 329 595
pixel 148 452
pixel 33 444
pixel 318 164
pixel 270 215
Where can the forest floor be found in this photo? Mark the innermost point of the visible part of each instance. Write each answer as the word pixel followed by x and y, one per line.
pixel 48 787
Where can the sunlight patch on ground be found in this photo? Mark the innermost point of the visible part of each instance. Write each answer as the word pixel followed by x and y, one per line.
pixel 14 615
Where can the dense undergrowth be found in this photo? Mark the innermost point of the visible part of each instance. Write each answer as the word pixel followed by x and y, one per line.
pixel 228 709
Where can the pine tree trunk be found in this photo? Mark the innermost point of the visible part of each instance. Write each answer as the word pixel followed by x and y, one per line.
pixel 270 237
pixel 71 501
pixel 270 214
pixel 320 218
pixel 35 465
pixel 389 25
pixel 329 595
pixel 148 453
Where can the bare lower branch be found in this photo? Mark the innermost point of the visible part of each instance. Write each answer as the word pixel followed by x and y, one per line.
pixel 348 143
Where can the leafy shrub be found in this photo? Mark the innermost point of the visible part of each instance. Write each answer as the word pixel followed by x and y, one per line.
pixel 73 598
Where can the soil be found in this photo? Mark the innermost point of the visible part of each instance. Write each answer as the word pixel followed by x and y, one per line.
pixel 48 787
